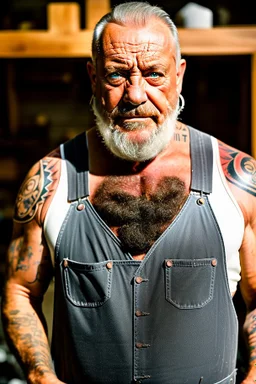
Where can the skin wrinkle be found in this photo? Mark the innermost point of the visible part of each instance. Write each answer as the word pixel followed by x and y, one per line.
pixel 149 94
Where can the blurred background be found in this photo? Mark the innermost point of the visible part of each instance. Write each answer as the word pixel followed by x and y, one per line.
pixel 45 101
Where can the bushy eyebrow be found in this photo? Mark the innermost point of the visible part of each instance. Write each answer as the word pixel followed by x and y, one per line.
pixel 124 67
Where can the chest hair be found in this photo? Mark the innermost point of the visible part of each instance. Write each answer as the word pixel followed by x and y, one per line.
pixel 138 220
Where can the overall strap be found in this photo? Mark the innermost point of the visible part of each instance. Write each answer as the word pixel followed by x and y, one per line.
pixel 201 161
pixel 75 152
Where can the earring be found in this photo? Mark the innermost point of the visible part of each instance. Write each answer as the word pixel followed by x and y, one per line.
pixel 181 107
pixel 91 100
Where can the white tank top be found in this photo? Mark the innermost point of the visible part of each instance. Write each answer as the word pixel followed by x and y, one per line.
pixel 224 205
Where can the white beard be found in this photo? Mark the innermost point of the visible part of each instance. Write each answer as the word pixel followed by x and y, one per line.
pixel 119 144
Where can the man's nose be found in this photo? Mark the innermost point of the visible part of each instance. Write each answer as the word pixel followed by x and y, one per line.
pixel 135 92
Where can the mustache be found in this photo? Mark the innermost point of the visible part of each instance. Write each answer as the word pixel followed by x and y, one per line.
pixel 126 111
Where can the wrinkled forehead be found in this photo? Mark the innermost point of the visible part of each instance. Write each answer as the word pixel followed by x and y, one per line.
pixel 155 36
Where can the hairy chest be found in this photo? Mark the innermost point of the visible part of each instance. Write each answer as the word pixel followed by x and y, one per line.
pixel 138 210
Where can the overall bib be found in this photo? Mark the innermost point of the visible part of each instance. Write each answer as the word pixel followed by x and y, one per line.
pixel 168 319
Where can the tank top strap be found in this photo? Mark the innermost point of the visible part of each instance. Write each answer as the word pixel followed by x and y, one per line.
pixel 201 153
pixel 75 152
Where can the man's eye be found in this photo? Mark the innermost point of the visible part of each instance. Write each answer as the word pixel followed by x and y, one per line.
pixel 155 78
pixel 115 78
pixel 154 75
pixel 114 75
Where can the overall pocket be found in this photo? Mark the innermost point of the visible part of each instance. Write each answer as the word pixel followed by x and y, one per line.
pixel 189 284
pixel 87 285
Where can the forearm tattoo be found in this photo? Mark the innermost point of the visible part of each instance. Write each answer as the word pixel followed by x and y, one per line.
pixel 36 189
pixel 251 333
pixel 239 168
pixel 29 338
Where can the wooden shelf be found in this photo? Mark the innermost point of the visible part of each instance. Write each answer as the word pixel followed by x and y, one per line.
pixel 218 41
pixel 40 44
pixel 36 44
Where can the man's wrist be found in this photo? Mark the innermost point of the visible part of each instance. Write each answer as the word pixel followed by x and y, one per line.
pixel 46 378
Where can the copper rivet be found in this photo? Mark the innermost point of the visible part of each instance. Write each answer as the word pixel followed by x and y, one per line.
pixel 80 207
pixel 109 265
pixel 139 345
pixel 139 279
pixel 138 313
pixel 200 201
pixel 169 263
pixel 65 263
pixel 214 262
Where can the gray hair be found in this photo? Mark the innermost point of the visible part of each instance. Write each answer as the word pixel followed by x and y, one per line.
pixel 135 13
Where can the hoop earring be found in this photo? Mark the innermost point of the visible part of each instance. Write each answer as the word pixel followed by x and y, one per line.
pixel 91 100
pixel 181 107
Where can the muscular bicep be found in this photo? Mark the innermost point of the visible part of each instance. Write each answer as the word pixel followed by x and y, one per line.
pixel 248 266
pixel 29 263
pixel 28 259
pixel 239 170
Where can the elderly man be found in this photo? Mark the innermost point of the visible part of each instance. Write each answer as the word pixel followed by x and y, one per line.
pixel 146 224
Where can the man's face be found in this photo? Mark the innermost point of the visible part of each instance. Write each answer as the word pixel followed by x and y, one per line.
pixel 137 81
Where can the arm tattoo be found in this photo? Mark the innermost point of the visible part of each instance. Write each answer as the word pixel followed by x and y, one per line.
pixel 24 259
pixel 35 190
pixel 239 168
pixel 251 333
pixel 20 259
pixel 35 353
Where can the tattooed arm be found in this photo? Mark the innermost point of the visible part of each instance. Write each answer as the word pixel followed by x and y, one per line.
pixel 240 171
pixel 29 272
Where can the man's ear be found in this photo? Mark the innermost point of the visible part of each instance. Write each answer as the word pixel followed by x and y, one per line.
pixel 180 74
pixel 92 75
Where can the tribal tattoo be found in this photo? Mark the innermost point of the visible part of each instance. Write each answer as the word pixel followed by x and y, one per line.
pixel 239 168
pixel 35 190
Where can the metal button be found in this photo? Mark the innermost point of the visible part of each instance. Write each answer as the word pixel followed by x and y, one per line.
pixel 200 201
pixel 109 265
pixel 139 313
pixel 142 345
pixel 80 207
pixel 214 262
pixel 169 263
pixel 139 279
pixel 65 263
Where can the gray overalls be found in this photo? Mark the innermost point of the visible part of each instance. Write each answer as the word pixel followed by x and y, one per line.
pixel 168 319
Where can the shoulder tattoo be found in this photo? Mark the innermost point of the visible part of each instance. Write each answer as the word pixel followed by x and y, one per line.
pixel 35 190
pixel 239 168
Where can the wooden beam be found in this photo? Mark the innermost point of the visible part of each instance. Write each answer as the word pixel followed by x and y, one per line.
pixel 63 17
pixel 253 106
pixel 19 44
pixel 218 41
pixel 215 41
pixel 94 10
